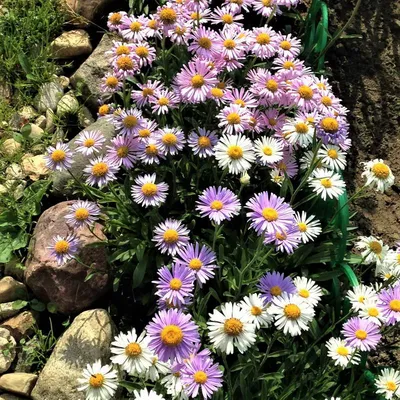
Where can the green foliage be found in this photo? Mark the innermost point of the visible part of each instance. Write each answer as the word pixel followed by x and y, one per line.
pixel 27 27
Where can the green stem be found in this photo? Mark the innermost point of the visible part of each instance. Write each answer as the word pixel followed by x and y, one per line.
pixel 83 187
pixel 228 375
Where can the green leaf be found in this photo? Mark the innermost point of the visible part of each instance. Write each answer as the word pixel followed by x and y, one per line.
pixel 24 62
pixel 130 386
pixel 19 304
pixel 37 305
pixel 26 130
pixel 326 276
pixel 52 308
pixel 139 272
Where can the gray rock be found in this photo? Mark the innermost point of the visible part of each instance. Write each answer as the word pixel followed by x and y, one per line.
pixel 60 179
pixel 18 382
pixel 68 105
pixel 36 132
pixel 11 290
pixel 85 117
pixel 10 147
pixel 49 95
pixel 87 339
pixel 82 12
pixel 71 44
pixel 41 121
pixel 7 310
pixel 64 81
pixel 27 113
pixel 7 396
pixel 7 350
pixel 5 90
pixel 50 119
pixel 88 76
pixel 14 171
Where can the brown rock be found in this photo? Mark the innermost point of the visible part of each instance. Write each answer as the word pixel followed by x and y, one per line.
pixel 71 44
pixel 84 11
pixel 6 396
pixel 11 290
pixel 64 285
pixel 18 382
pixel 21 325
pixel 35 167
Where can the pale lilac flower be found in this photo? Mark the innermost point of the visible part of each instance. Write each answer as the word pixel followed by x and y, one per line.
pixel 180 34
pixel 111 83
pixel 89 142
pixel 288 45
pixel 361 334
pixel 263 42
pixel 303 92
pixel 128 122
pixel 59 157
pixel 143 54
pixel 241 97
pixel 170 140
pixel 148 130
pixel 389 304
pixel 286 240
pixel 124 150
pixel 149 193
pixel 203 43
pixel 332 128
pixel 82 213
pixel 274 284
pixel 125 66
pixel 202 142
pixel 171 236
pixel 233 119
pixel 114 20
pixel 119 49
pixel 162 101
pixel 133 28
pixel 100 171
pixel 236 5
pixel 269 88
pixel 64 248
pixel 266 8
pixel 274 120
pixel 257 121
pixel 227 17
pixel 148 89
pixel 151 152
pixel 231 44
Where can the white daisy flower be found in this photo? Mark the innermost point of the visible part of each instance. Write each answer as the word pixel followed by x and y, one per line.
pixel 235 152
pixel 326 183
pixel 149 193
pixel 371 312
pixel 145 395
pixel 359 295
pixel 89 142
pixel 298 131
pixel 158 368
pixel 99 382
pixel 174 385
pixel 390 267
pixel 388 383
pixel 131 352
pixel 256 310
pixel 292 313
pixel 373 250
pixel 309 227
pixel 332 157
pixel 342 354
pixel 231 327
pixel 308 290
pixel 268 150
pixel 306 160
pixel 378 175
pixel 277 176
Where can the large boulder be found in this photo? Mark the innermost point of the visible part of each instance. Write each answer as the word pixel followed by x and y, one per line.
pixel 64 285
pixel 71 44
pixel 18 382
pixel 87 339
pixel 21 325
pixel 84 11
pixel 80 161
pixel 88 76
pixel 11 289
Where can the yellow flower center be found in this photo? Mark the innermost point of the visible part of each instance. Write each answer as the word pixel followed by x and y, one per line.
pixel 122 50
pixel 329 124
pixel 149 189
pixel 302 227
pixel 332 153
pixel 221 85
pixel 180 30
pixel 195 264
pixel 321 86
pixel 115 18
pixel 326 101
pixel 275 291
pixel 240 2
pixel 197 81
pixel 82 214
pixel 146 92
pixel 375 247
pixel 130 121
pixel 233 118
pixel 380 170
pixel 256 311
pixel 112 81
pixel 175 284
pixel 285 45
pixel 163 101
pixel 266 3
pixel 125 63
pixel 263 38
pixel 195 16
pixel 58 155
pixel 361 299
pixel 168 16
pixel 169 139
pixel 305 92
pixel 292 311
pixel 96 380
pixel 142 51
pixel 200 377
pixel 301 127
pixel 217 92
pixel 151 150
pixel 227 19
pixel 240 102
pixel 390 385
pixel 104 109
pixel 229 44
pixel 280 235
pixel 152 24
pixel 304 293
pixel 144 133
pixel 233 327
pixel 100 169
pixel 61 247
pixel 272 85
pixel 123 151
pixel 171 236
pixel 361 334
pixel 394 305
pixel 205 43
pixel 288 65
pixel 342 351
pixel 235 152
pixel 216 205
pixel 326 183
pixel 204 142
pixel 135 26
pixel 133 350
pixel 270 214
pixel 267 151
pixel 373 312
pixel 171 335
pixel 272 121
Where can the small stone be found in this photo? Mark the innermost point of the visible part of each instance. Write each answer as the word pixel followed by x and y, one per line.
pixel 68 105
pixel 35 167
pixel 21 325
pixel 63 81
pixel 49 95
pixel 50 116
pixel 16 187
pixel 18 382
pixel 85 117
pixel 7 350
pixel 10 147
pixel 14 171
pixel 27 113
pixel 71 44
pixel 41 121
pixel 5 90
pixel 7 310
pixel 3 190
pixel 15 269
pixel 11 289
pixel 36 132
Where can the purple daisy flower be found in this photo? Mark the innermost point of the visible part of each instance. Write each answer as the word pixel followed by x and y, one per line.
pixel 58 157
pixel 100 171
pixel 175 286
pixel 151 152
pixel 148 89
pixel 170 236
pixel 110 83
pixel 218 204
pixel 201 374
pixel 148 193
pixel 172 335
pixel 89 142
pixel 273 284
pixel 332 128
pixel 163 101
pixel 124 151
pixel 389 304
pixel 202 142
pixel 286 240
pixel 361 334
pixel 170 140
pixel 64 248
pixel 269 213
pixel 199 259
pixel 82 213
pixel 128 122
